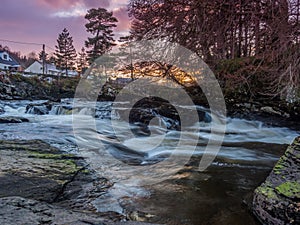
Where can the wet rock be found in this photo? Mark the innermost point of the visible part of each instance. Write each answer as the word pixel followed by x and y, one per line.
pixel 42 185
pixel 18 210
pixel 277 200
pixel 39 109
pixel 33 169
pixel 152 107
pixel 12 119
pixel 49 107
pixel 270 110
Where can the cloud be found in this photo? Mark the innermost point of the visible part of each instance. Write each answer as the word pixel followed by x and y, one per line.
pixel 75 11
pixel 41 21
pixel 58 4
pixel 67 4
pixel 123 19
pixel 96 3
pixel 76 8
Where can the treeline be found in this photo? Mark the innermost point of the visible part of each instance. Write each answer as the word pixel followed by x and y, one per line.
pixel 265 33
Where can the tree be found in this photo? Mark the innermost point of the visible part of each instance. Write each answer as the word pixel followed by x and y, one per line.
pixel 82 62
pixel 43 56
pixel 218 30
pixel 65 52
pixel 100 25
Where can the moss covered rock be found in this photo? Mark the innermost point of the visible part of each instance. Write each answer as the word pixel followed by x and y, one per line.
pixel 34 169
pixel 277 200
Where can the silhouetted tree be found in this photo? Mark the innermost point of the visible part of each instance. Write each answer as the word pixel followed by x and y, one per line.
pixel 65 52
pixel 100 25
pixel 82 62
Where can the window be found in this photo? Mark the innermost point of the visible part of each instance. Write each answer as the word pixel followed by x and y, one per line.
pixel 5 56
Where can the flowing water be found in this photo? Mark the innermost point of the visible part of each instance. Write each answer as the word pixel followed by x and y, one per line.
pixel 218 195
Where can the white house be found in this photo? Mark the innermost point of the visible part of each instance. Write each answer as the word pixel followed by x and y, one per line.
pixel 7 62
pixel 37 68
pixel 50 69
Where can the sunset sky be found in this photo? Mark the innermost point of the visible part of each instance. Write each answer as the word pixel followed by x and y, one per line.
pixel 40 21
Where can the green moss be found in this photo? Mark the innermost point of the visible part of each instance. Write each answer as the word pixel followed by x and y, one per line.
pixel 68 165
pixel 289 189
pixel 86 171
pixel 49 155
pixel 280 165
pixel 267 191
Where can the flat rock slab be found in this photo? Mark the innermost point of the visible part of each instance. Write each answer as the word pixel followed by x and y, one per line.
pixel 20 211
pixel 277 200
pixel 34 169
pixel 40 184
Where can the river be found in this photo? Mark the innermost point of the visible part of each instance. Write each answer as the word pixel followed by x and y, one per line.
pixel 218 195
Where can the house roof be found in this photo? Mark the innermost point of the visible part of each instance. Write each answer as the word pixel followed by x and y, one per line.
pixel 11 62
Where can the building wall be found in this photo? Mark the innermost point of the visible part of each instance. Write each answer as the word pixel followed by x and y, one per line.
pixel 3 66
pixel 35 67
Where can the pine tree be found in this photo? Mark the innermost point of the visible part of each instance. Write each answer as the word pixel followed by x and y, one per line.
pixel 65 52
pixel 100 25
pixel 43 56
pixel 82 62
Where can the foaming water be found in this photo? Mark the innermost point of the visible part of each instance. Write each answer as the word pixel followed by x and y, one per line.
pixel 57 126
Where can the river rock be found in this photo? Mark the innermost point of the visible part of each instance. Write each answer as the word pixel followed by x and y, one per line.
pixel 42 185
pixel 152 107
pixel 18 210
pixel 34 169
pixel 39 108
pixel 270 110
pixel 49 107
pixel 12 119
pixel 277 200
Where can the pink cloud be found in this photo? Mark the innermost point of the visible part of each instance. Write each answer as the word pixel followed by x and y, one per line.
pixel 64 4
pixel 122 15
pixel 33 21
pixel 57 4
pixel 96 3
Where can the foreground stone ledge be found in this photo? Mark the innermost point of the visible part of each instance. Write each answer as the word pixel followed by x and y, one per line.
pixel 277 200
pixel 39 184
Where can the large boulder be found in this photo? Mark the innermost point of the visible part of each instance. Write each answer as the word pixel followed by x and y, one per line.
pixel 277 200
